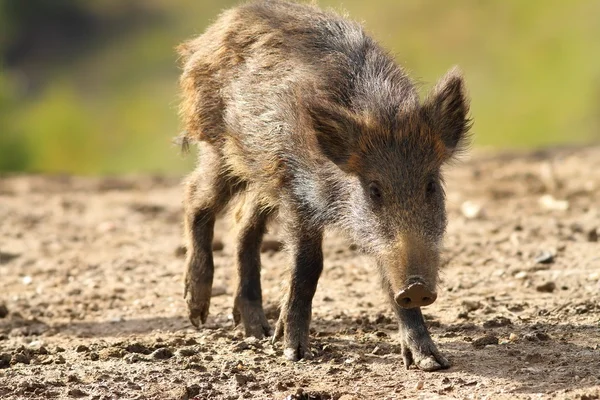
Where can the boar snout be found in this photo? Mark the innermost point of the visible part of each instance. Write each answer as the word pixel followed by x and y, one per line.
pixel 416 294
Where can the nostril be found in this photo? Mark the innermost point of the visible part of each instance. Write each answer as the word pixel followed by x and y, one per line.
pixel 405 301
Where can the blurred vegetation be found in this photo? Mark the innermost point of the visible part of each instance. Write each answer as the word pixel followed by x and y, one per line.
pixel 91 86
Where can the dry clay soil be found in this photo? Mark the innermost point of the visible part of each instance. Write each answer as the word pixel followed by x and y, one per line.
pixel 91 284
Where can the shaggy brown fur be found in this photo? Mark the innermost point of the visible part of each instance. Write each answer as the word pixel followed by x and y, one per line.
pixel 306 114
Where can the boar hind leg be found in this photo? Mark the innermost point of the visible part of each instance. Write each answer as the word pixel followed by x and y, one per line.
pixel 248 308
pixel 294 319
pixel 207 192
pixel 417 346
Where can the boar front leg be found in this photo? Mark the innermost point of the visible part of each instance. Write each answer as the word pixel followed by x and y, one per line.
pixel 417 346
pixel 294 319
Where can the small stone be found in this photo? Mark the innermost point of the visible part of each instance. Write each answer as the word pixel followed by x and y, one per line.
pixel 3 311
pixel 521 275
pixel 180 251
pixel 94 356
pixel 162 354
pixel 218 245
pixel 547 287
pixel 533 358
pixel 75 392
pixel 542 336
pixel 548 202
pixel 271 246
pixel 138 348
pixel 21 357
pixel 59 349
pixel 471 305
pixel 381 350
pixel 485 341
pixel 471 210
pixel 592 235
pixel 545 257
pixel 497 322
pixel 419 385
pixel 59 359
pixel 218 291
pixel 536 337
pixel 111 352
pixel 240 379
pixel 42 350
pixel 186 352
pixel 82 348
pixel 132 358
pixel 513 337
pixel 5 359
pixel 241 346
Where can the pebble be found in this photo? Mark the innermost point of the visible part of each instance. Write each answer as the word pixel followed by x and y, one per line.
pixel 497 322
pixel 59 359
pixel 548 202
pixel 75 392
pixel 471 210
pixel 513 337
pixel 592 235
pixel 533 358
pixel 5 359
pixel 536 337
pixel 82 348
pixel 3 311
pixel 547 287
pixel 162 354
pixel 134 358
pixel 21 357
pixel 420 385
pixel 381 350
pixel 186 352
pixel 545 257
pixel 521 275
pixel 218 245
pixel 471 305
pixel 180 251
pixel 271 245
pixel 241 379
pixel 241 346
pixel 485 341
pixel 137 348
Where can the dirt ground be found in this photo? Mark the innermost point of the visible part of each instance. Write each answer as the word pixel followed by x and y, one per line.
pixel 91 299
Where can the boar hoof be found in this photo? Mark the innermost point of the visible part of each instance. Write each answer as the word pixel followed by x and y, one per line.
pixel 198 302
pixel 252 317
pixel 198 313
pixel 425 356
pixel 297 353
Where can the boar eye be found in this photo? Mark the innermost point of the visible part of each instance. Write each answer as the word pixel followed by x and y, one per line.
pixel 431 187
pixel 374 191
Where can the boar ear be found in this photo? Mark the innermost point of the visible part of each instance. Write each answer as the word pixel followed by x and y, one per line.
pixel 447 107
pixel 336 130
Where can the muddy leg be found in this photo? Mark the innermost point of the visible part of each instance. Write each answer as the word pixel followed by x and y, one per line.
pixel 207 192
pixel 294 320
pixel 248 300
pixel 417 346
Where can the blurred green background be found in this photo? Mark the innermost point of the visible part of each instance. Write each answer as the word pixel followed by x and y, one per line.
pixel 90 87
